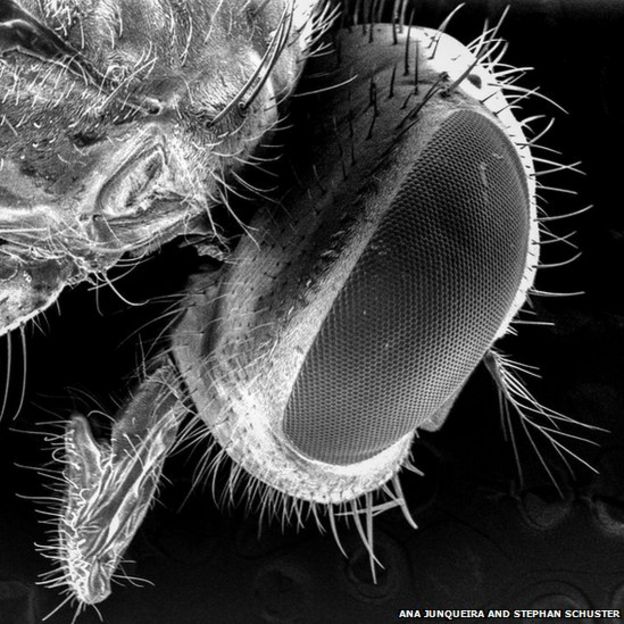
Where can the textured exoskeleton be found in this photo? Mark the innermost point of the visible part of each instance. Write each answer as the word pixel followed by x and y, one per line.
pixel 400 243
pixel 123 124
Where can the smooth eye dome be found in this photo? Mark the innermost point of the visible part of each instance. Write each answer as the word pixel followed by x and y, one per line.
pixel 423 302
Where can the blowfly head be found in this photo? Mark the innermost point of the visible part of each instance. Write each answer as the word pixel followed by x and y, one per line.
pixel 401 251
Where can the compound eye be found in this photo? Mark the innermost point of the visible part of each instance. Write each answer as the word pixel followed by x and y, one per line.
pixel 424 301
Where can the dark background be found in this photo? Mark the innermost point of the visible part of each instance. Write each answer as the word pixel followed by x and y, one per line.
pixel 485 540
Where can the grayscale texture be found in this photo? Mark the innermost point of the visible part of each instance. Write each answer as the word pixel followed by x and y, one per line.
pixel 424 300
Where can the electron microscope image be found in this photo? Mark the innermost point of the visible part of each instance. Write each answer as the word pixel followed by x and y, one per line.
pixel 310 311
